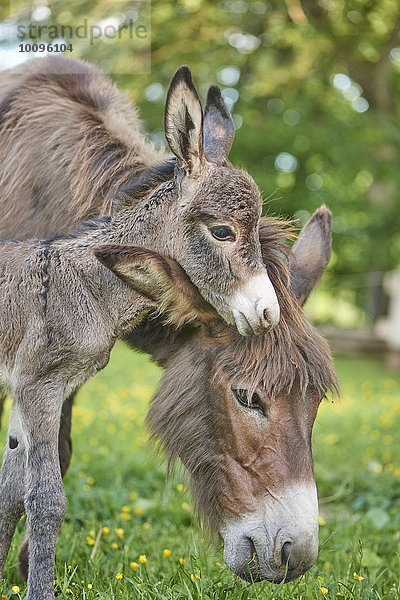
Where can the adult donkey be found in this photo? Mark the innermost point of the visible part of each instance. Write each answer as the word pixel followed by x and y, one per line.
pixel 69 139
pixel 293 358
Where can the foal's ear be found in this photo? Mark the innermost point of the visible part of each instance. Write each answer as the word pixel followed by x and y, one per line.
pixel 159 279
pixel 183 121
pixel 312 251
pixel 219 130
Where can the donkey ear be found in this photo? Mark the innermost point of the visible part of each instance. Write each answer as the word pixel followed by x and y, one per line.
pixel 160 279
pixel 312 251
pixel 219 130
pixel 183 121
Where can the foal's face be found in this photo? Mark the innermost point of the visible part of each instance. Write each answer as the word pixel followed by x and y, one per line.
pixel 268 494
pixel 217 243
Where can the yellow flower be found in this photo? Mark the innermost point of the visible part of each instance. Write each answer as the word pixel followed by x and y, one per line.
pixel 133 496
pixel 114 545
pixel 179 487
pixel 321 521
pixel 167 553
pixel 92 533
pixel 69 591
pixel 90 480
pixel 120 532
pixel 15 589
pixel 324 590
pixel 185 506
pixel 126 509
pixel 181 560
pixel 134 566
pixel 143 559
pixel 138 511
pixel 4 598
pixel 89 586
pixel 126 516
pixel 119 576
pixel 90 540
pixel 106 530
pixel 218 564
pixel 192 577
pixel 357 577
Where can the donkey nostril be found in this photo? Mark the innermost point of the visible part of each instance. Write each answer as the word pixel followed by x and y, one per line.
pixel 286 549
pixel 266 315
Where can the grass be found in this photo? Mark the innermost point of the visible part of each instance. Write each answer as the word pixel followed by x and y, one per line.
pixel 116 483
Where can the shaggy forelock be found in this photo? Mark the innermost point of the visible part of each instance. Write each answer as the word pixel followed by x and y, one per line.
pixel 294 351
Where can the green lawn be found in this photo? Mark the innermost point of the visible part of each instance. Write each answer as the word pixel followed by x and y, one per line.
pixel 115 482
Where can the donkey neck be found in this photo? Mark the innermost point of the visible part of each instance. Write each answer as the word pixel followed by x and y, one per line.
pixel 150 223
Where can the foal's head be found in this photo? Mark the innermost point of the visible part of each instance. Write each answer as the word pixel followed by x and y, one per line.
pixel 211 226
pixel 239 413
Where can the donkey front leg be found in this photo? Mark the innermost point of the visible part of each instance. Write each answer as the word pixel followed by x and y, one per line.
pixel 64 451
pixel 45 497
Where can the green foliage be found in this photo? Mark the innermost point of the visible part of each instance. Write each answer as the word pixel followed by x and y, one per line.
pixel 115 481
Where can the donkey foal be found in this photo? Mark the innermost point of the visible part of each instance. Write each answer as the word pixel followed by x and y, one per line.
pixel 61 314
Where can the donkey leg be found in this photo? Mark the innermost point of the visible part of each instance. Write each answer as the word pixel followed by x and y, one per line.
pixel 64 451
pixel 40 413
pixel 12 491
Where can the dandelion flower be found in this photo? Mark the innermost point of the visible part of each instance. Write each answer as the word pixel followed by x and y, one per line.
pixel 15 589
pixel 126 509
pixel 167 553
pixel 114 545
pixel 192 577
pixel 357 577
pixel 218 564
pixel 180 487
pixel 120 532
pixel 321 521
pixel 143 559
pixel 138 511
pixel 106 530
pixel 134 566
pixel 324 590
pixel 90 540
pixel 92 533
pixel 89 586
pixel 185 506
pixel 90 480
pixel 69 591
pixel 126 516
pixel 119 576
pixel 181 560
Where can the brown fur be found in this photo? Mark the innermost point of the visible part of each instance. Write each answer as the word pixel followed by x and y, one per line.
pixel 89 134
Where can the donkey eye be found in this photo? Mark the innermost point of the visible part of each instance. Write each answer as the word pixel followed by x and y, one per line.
pixel 223 233
pixel 255 402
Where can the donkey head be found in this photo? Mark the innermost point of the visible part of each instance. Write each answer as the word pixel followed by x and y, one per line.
pixel 215 235
pixel 239 412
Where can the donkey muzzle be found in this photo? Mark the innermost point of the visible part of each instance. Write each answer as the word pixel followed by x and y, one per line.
pixel 255 306
pixel 278 543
